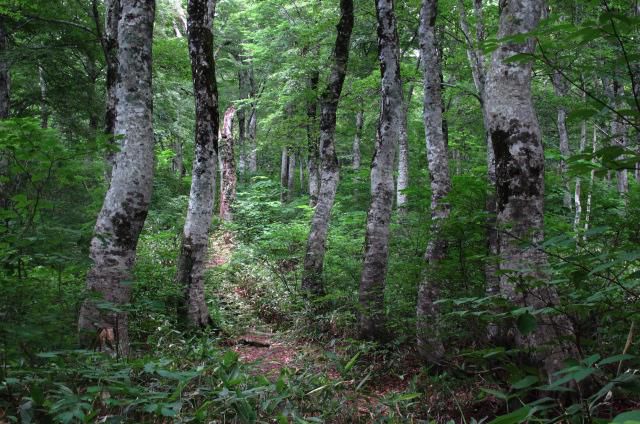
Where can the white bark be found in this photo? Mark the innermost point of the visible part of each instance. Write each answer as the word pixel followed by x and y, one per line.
pixel 357 140
pixel 577 195
pixel 429 343
pixel 284 173
pixel 517 144
pixel 44 108
pixel 193 310
pixel 229 176
pixel 291 176
pixel 113 247
pixel 372 280
pixel 561 89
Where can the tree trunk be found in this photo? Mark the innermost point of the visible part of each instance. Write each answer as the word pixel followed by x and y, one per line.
pixel 5 86
pixel 291 176
pixel 560 88
pixel 180 24
pixel 110 46
pixel 312 140
pixel 577 193
pixel 192 309
pixel 592 176
pixel 44 108
pixel 329 168
pixel 242 122
pixel 372 280
pixel 113 247
pixel 301 171
pixel 229 177
pixel 284 173
pixel 357 139
pixel 177 162
pixel 251 134
pixel 429 343
pixel 517 144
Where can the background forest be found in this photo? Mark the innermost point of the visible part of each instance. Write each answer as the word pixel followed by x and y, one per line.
pixel 319 211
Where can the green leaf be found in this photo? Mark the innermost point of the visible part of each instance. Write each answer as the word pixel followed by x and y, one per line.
pixel 526 323
pixel 528 381
pixel 629 417
pixel 515 417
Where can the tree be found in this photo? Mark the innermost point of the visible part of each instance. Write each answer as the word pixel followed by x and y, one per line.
pixel 357 139
pixel 429 343
pixel 193 251
pixel 229 177
pixel 372 280
pixel 113 247
pixel 4 70
pixel 329 166
pixel 517 143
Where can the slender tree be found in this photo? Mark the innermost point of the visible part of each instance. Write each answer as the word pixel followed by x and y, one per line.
pixel 372 280
pixel 229 176
pixel 429 343
pixel 329 167
pixel 357 139
pixel 192 308
pixel 312 139
pixel 4 70
pixel 517 144
pixel 561 89
pixel 113 247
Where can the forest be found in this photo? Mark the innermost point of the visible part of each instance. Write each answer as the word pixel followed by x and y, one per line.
pixel 320 211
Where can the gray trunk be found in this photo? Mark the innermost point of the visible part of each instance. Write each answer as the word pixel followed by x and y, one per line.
pixel 578 187
pixel 229 176
pixel 242 122
pixel 251 135
pixel 5 86
pixel 301 171
pixel 284 173
pixel 44 108
pixel 329 167
pixel 291 176
pixel 592 176
pixel 517 144
pixel 357 139
pixel 177 162
pixel 193 310
pixel 312 140
pixel 110 45
pixel 561 89
pixel 372 281
pixel 429 343
pixel 113 247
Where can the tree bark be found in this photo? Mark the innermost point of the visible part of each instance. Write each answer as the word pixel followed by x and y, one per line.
pixel 517 144
pixel 252 126
pixel 5 85
pixel 578 187
pixel 429 343
pixel 229 177
pixel 561 89
pixel 291 175
pixel 177 162
pixel 284 173
pixel 113 247
pixel 110 46
pixel 44 107
pixel 329 168
pixel 242 122
pixel 312 140
pixel 372 280
pixel 592 176
pixel 357 139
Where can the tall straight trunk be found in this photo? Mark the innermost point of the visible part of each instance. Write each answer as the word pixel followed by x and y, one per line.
pixel 284 173
pixel 560 88
pixel 357 139
pixel 577 194
pixel 5 85
pixel 429 343
pixel 177 162
pixel 110 46
pixel 252 125
pixel 229 176
pixel 312 140
pixel 403 153
pixel 44 108
pixel 242 122
pixel 592 176
pixel 113 247
pixel 291 176
pixel 301 171
pixel 329 167
pixel 193 310
pixel 372 281
pixel 619 132
pixel 478 70
pixel 180 24
pixel 517 144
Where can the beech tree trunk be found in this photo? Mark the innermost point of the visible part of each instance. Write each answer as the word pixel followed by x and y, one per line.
pixel 577 200
pixel 372 280
pixel 110 48
pixel 177 162
pixel 429 343
pixel 192 309
pixel 242 122
pixel 229 176
pixel 312 140
pixel 357 139
pixel 517 144
pixel 291 176
pixel 113 247
pixel 44 108
pixel 329 167
pixel 284 174
pixel 560 88
pixel 592 176
pixel 5 85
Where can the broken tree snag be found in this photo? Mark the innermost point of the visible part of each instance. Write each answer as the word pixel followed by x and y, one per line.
pixel 229 177
pixel 372 281
pixel 113 247
pixel 192 308
pixel 517 143
pixel 329 167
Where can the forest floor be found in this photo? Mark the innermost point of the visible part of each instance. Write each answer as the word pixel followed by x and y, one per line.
pixel 383 389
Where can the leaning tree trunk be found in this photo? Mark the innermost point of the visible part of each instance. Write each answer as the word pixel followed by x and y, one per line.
pixel 113 247
pixel 429 343
pixel 4 70
pixel 372 280
pixel 193 310
pixel 517 144
pixel 357 139
pixel 329 168
pixel 229 176
pixel 312 140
